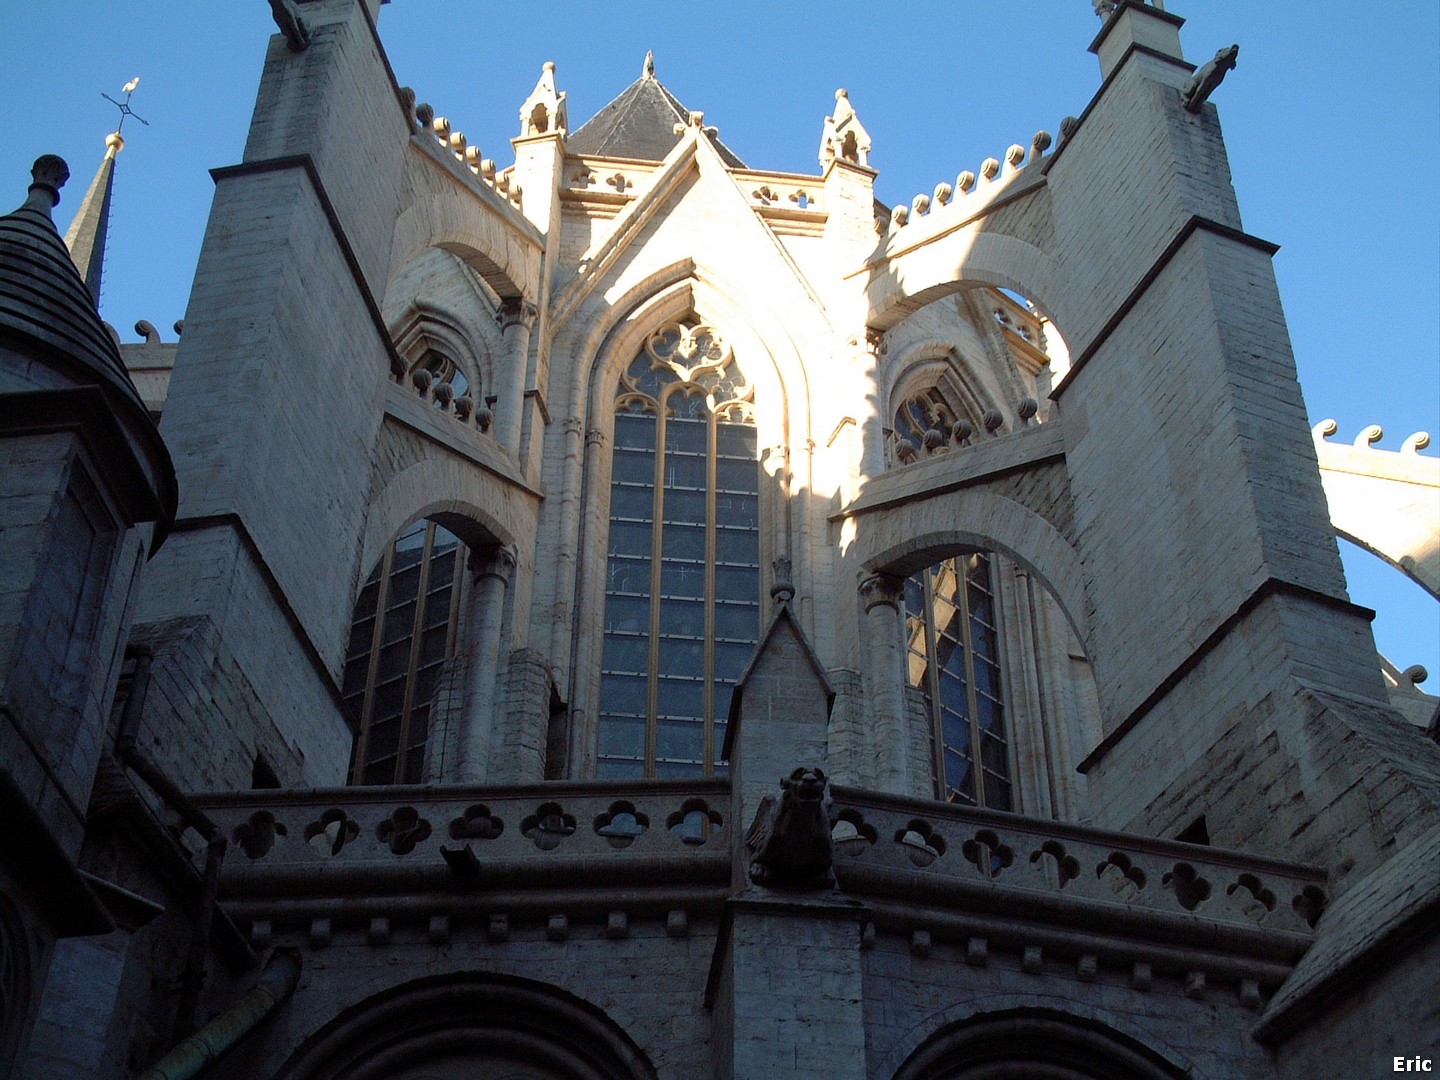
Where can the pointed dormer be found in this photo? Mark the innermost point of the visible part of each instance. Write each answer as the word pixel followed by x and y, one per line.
pixel 86 237
pixel 641 124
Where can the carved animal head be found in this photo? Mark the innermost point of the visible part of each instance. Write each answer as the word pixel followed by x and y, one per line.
pixel 805 785
pixel 1225 58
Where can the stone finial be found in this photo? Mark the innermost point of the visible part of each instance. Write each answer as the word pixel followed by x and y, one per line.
pixel 1026 409
pixel 1416 674
pixel 146 329
pixel 648 71
pixel 920 205
pixel 407 103
pixel 993 420
pixel 1415 443
pixel 899 216
pixel 844 137
pixel 1068 126
pixel 783 591
pixel 48 176
pixel 989 169
pixel 1038 145
pixel 544 110
pixel 965 182
pixel 943 192
pixel 1103 8
pixel 1369 436
pixel 1014 158
pixel 1211 74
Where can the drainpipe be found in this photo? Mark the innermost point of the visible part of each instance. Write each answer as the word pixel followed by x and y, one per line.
pixel 192 979
pixel 199 1051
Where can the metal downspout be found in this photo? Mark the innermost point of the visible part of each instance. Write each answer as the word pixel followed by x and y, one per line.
pixel 199 1051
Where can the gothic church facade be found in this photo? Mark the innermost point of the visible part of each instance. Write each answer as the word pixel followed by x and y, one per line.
pixel 631 614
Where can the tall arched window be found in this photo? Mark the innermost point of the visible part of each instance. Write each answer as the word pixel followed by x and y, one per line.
pixel 953 645
pixel 403 631
pixel 953 658
pixel 682 599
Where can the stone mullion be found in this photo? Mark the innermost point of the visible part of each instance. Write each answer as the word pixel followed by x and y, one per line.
pixel 932 679
pixel 657 527
pixel 972 695
pixel 711 551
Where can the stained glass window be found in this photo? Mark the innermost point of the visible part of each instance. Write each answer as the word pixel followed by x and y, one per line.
pixel 953 657
pixel 682 604
pixel 403 631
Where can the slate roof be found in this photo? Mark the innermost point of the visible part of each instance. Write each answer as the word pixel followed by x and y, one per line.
pixel 639 124
pixel 44 299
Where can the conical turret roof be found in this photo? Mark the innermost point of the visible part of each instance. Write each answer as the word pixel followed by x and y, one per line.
pixel 43 298
pixel 47 312
pixel 640 124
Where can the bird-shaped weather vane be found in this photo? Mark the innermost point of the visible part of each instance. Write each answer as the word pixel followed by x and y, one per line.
pixel 124 106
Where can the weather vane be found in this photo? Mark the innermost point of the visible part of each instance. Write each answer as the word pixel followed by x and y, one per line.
pixel 124 106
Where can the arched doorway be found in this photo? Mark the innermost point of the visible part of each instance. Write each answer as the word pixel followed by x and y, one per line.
pixel 1033 1044
pixel 479 1027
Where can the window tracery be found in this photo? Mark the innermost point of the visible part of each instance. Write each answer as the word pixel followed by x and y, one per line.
pixel 682 606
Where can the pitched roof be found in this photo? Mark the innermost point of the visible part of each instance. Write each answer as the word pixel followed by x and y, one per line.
pixel 639 124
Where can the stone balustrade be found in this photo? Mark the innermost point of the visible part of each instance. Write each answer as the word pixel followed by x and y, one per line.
pixel 356 827
pixel 1005 864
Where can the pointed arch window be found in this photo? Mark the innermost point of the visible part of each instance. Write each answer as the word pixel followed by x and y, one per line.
pixel 953 641
pixel 682 599
pixel 403 631
pixel 953 659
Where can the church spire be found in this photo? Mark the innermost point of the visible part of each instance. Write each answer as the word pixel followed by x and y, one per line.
pixel 86 237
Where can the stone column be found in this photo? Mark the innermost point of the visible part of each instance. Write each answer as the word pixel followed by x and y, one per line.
pixel 482 648
pixel 883 596
pixel 516 317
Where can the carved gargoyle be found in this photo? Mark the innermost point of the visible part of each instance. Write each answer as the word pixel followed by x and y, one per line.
pixel 295 29
pixel 1210 75
pixel 790 840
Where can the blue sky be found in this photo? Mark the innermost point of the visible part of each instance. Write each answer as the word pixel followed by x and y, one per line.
pixel 1332 120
